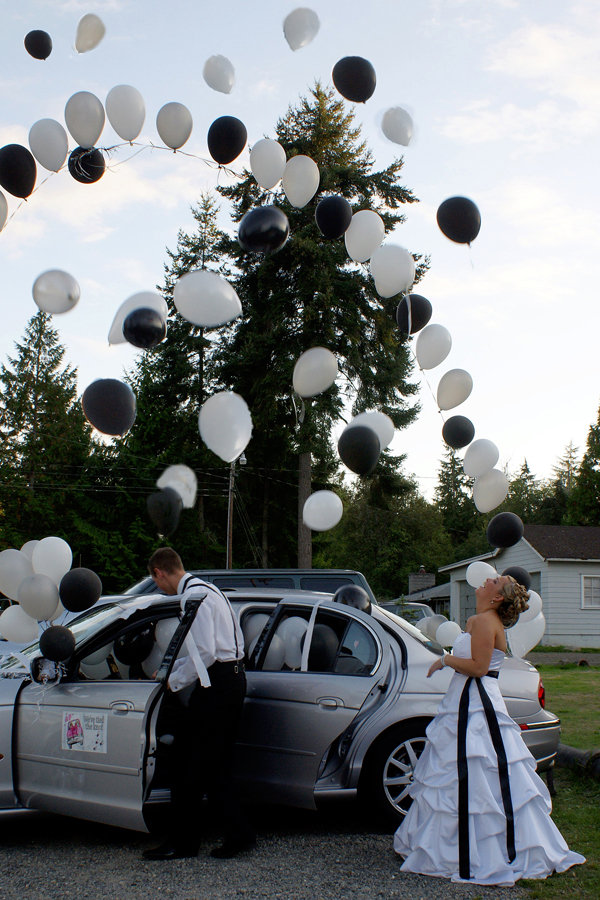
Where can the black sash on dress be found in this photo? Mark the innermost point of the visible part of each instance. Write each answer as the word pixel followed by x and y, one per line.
pixel 463 774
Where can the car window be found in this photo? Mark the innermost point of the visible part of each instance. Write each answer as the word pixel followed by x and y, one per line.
pixel 134 653
pixel 327 583
pixel 275 581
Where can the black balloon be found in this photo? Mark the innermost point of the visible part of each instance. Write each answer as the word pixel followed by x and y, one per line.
pixel 355 78
pixel 164 508
pixel 18 170
pixel 519 574
pixel 38 44
pixel 109 405
pixel 57 643
pixel 264 229
pixel 144 328
pixel 333 216
pixel 133 647
pixel 420 313
pixel 79 589
pixel 359 449
pixel 226 139
pixel 459 219
pixel 353 595
pixel 458 431
pixel 504 530
pixel 86 165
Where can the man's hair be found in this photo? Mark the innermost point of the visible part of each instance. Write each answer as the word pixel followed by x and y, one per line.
pixel 165 558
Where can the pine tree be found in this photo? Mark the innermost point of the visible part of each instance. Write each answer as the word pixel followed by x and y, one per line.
pixel 525 495
pixel 45 440
pixel 583 504
pixel 453 499
pixel 310 294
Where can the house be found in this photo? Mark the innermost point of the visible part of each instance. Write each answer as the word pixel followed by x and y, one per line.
pixel 564 563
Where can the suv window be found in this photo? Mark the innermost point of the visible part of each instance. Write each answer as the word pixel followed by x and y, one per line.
pixel 327 583
pixel 235 581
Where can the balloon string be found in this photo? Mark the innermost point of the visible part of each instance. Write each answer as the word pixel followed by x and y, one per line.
pixel 426 380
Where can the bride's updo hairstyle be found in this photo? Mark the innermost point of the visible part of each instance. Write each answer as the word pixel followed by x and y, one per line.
pixel 513 603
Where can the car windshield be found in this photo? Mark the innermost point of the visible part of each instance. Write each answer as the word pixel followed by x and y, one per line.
pixel 414 632
pixel 82 627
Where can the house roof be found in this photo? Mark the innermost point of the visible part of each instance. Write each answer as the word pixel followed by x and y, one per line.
pixel 564 541
pixel 436 591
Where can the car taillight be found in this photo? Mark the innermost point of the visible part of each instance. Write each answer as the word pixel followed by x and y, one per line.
pixel 541 694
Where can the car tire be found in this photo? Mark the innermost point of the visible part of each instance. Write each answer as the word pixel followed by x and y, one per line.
pixel 388 772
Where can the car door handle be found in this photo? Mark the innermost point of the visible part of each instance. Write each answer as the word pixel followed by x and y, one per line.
pixel 329 702
pixel 121 707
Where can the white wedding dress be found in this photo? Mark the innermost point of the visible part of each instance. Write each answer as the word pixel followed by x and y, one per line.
pixel 428 837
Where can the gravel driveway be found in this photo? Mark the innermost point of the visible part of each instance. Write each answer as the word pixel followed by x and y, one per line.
pixel 301 855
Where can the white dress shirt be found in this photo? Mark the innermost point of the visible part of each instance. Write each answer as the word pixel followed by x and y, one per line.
pixel 212 632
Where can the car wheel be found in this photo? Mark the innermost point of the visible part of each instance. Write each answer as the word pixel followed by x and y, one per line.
pixel 388 772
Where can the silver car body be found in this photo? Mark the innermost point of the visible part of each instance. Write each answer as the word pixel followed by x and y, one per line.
pixel 94 747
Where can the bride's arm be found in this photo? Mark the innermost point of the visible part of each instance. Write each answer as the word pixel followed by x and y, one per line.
pixel 482 643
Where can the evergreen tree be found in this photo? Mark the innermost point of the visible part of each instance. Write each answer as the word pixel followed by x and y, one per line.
pixel 525 495
pixel 310 294
pixel 583 504
pixel 45 440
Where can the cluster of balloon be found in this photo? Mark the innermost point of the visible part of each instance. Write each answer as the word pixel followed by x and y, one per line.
pixel 110 406
pixel 226 139
pixel 314 372
pixel 354 78
pixel 18 170
pixel 458 431
pixel 300 27
pixel 459 219
pixel 31 576
pixel 164 508
pixel 413 313
pixel 519 574
pixel 225 425
pixel 55 291
pixel 505 530
pixel 264 229
pixel 322 511
pixel 439 628
pixel 38 44
pixel 529 629
pixel 90 31
pixel 219 74
pixel 206 299
pixel 143 330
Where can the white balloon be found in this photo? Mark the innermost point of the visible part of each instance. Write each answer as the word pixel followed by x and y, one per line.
pixel 252 627
pixel 219 74
pixel 481 456
pixel 142 300
pixel 522 637
pixel 534 609
pixel 397 125
pixel 38 595
pixel 49 143
pixel 56 291
pixel 432 623
pixel 52 557
pixel 447 633
pixel 225 424
pixel 126 111
pixel 381 424
pixel 84 115
pixel 98 656
pixel 489 490
pixel 291 632
pixel 3 210
pixel 454 388
pixel 300 180
pixel 16 625
pixel 14 567
pixel 28 548
pixel 164 631
pixel 58 612
pixel 275 654
pixel 95 671
pixel 315 371
pixel 433 346
pixel 300 27
pixel 206 299
pixel 322 511
pixel 267 162
pixel 364 235
pixel 153 661
pixel 90 31
pixel 393 269
pixel 182 479
pixel 174 124
pixel 478 573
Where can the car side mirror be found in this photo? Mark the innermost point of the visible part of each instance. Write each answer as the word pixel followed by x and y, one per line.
pixel 44 671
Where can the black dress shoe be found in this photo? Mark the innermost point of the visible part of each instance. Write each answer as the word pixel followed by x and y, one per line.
pixel 171 851
pixel 229 849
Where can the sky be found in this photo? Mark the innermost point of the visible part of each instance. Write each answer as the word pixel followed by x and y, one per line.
pixel 505 97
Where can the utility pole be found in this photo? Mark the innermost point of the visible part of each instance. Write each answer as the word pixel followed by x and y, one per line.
pixel 242 461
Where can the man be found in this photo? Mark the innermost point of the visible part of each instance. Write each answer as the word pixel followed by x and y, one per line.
pixel 205 696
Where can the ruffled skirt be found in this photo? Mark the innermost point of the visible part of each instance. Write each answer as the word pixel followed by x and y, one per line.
pixel 428 836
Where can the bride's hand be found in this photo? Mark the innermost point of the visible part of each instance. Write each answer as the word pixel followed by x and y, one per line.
pixel 435 667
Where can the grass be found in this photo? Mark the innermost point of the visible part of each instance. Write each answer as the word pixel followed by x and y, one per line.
pixel 576 812
pixel 573 694
pixel 560 648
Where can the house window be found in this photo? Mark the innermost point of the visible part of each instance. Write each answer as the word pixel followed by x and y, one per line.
pixel 590 591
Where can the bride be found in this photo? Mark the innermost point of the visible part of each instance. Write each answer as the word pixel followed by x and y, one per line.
pixel 480 813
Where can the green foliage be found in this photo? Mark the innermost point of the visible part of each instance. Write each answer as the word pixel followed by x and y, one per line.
pixel 583 506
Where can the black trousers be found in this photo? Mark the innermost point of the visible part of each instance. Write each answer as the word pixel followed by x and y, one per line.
pixel 205 724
